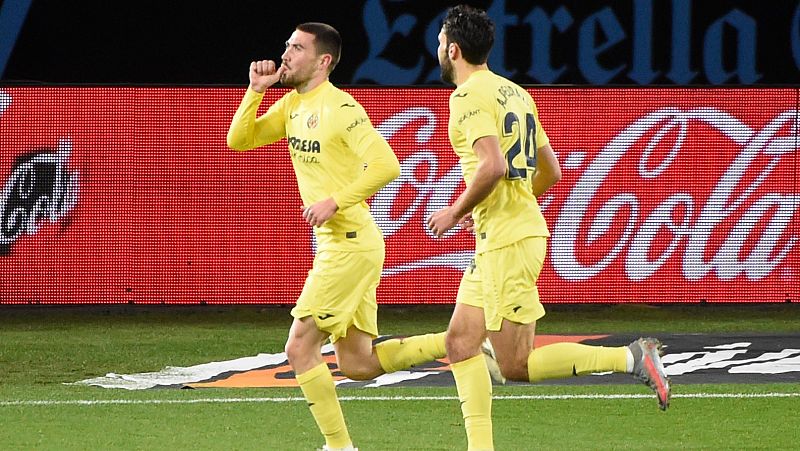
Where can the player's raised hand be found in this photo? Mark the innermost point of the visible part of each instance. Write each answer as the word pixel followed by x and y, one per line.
pixel 264 74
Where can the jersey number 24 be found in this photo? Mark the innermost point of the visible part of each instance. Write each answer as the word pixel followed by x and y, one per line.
pixel 526 137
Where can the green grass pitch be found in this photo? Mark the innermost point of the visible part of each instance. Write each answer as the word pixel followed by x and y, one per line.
pixel 42 348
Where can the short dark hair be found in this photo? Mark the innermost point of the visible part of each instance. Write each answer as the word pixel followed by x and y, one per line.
pixel 326 40
pixel 472 29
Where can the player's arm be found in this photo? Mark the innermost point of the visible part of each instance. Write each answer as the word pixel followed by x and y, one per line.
pixel 246 130
pixel 491 168
pixel 381 168
pixel 548 171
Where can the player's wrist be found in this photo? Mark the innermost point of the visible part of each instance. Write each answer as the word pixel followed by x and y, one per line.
pixel 258 88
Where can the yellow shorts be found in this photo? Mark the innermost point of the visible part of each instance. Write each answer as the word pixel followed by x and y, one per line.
pixel 340 292
pixel 503 283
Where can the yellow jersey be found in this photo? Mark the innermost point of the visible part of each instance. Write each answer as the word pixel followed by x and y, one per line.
pixel 490 105
pixel 335 151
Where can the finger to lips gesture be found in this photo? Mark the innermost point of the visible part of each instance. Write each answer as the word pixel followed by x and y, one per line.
pixel 264 74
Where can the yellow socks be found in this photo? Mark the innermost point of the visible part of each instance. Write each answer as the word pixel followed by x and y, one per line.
pixel 560 360
pixel 475 393
pixel 320 392
pixel 393 355
pixel 400 354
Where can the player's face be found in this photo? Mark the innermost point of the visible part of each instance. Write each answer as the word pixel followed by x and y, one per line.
pixel 300 59
pixel 448 72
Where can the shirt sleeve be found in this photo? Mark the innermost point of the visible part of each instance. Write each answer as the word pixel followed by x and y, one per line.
pixel 474 116
pixel 382 165
pixel 248 132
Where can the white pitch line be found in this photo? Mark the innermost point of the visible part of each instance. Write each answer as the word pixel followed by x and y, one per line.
pixel 98 402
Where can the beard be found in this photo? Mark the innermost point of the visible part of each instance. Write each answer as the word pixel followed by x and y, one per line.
pixel 448 71
pixel 296 78
pixel 289 80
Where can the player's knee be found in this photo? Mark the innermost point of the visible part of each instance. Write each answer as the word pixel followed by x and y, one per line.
pixel 355 373
pixel 461 345
pixel 295 350
pixel 355 370
pixel 514 370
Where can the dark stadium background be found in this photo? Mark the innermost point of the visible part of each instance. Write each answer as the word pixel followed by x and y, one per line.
pixel 154 42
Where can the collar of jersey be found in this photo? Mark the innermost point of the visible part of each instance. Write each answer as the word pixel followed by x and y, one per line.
pixel 314 92
pixel 478 74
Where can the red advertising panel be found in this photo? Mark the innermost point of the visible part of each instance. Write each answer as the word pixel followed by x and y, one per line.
pixel 130 195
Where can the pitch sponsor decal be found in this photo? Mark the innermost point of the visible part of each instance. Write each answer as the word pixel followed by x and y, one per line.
pixel 689 358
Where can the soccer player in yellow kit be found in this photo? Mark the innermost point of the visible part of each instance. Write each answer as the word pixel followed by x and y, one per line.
pixel 339 160
pixel 507 161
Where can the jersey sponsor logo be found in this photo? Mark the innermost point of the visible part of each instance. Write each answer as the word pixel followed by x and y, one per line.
pixel 357 122
pixel 304 150
pixel 467 115
pixel 304 145
pixel 312 121
pixel 305 158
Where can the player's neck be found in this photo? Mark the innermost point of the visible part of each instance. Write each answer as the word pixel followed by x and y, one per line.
pixel 311 84
pixel 466 70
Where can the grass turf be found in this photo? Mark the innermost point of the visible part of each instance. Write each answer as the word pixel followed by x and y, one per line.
pixel 40 348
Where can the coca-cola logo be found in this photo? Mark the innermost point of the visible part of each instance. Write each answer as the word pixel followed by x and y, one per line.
pixel 582 217
pixel 39 190
pixel 432 192
pixel 733 196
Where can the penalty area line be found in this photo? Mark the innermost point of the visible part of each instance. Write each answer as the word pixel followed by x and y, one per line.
pixel 101 402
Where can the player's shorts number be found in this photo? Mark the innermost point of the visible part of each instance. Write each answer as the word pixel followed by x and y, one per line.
pixel 526 141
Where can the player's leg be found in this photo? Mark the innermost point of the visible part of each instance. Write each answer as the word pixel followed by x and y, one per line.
pixel 512 273
pixel 465 334
pixel 357 357
pixel 519 361
pixel 360 360
pixel 316 381
pixel 319 313
pixel 562 360
pixel 303 346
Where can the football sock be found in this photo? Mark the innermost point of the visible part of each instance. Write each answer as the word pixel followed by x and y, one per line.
pixel 560 360
pixel 475 393
pixel 320 392
pixel 402 353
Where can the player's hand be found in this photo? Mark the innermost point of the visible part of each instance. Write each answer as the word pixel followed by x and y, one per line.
pixel 264 74
pixel 467 223
pixel 441 221
pixel 317 214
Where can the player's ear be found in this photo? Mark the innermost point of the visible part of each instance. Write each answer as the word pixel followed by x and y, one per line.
pixel 325 61
pixel 453 51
